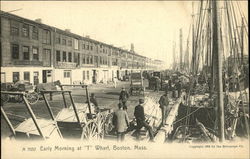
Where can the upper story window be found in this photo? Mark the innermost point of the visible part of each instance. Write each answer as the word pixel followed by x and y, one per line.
pixel 64 56
pixel 83 59
pixel 83 46
pixel 26 54
pixel 35 53
pixel 76 44
pixel 70 57
pixel 58 39
pixel 34 33
pixel 63 41
pixel 25 30
pixel 69 42
pixel 15 51
pixel 91 47
pixel 58 55
pixel 46 37
pixel 87 47
pixel 91 60
pixel 14 28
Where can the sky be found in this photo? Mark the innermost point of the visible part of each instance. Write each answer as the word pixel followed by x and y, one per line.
pixel 151 26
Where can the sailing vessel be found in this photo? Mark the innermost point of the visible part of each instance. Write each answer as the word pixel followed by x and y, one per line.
pixel 217 100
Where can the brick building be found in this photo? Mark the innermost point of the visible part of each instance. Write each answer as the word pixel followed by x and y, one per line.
pixel 39 53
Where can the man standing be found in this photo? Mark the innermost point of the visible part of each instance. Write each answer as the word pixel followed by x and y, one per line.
pixel 140 120
pixel 121 122
pixel 179 87
pixel 157 84
pixel 164 107
pixel 123 98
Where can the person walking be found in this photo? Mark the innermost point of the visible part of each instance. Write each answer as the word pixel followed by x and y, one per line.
pixel 115 81
pixel 123 98
pixel 164 102
pixel 121 122
pixel 140 120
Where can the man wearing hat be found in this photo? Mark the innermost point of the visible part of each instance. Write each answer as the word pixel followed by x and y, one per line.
pixel 121 122
pixel 164 101
pixel 140 120
pixel 123 98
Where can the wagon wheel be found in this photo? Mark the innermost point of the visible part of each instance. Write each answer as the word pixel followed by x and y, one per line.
pixel 90 131
pixel 32 97
pixel 100 120
pixel 4 98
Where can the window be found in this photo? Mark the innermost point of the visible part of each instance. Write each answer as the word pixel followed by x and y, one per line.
pixel 69 42
pixel 14 28
pixel 87 47
pixel 26 54
pixel 77 58
pixel 58 55
pixel 26 76
pixel 63 41
pixel 87 59
pixel 34 33
pixel 15 76
pixel 76 44
pixel 91 47
pixel 36 78
pixel 58 39
pixel 35 53
pixel 15 51
pixel 70 57
pixel 66 74
pixel 83 59
pixel 25 30
pixel 64 56
pixel 46 36
pixel 83 46
pixel 91 60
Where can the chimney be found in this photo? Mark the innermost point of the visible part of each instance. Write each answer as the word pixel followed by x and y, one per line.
pixel 132 48
pixel 67 30
pixel 38 20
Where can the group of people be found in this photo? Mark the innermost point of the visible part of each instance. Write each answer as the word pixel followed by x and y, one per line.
pixel 121 120
pixel 175 86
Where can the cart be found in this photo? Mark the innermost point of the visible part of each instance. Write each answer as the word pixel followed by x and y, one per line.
pixel 80 120
pixel 20 86
pixel 136 85
pixel 31 128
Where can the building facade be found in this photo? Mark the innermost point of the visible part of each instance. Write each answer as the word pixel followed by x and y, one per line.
pixel 39 53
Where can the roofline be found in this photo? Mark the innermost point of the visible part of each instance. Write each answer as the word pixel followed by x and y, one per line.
pixel 22 19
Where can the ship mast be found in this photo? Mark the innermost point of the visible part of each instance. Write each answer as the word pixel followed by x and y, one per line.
pixel 218 70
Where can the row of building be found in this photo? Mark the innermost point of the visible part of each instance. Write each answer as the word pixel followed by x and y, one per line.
pixel 39 53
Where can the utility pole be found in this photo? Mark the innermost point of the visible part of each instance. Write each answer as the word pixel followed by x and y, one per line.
pixel 218 68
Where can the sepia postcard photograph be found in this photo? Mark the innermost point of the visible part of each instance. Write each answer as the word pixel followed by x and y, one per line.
pixel 124 79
